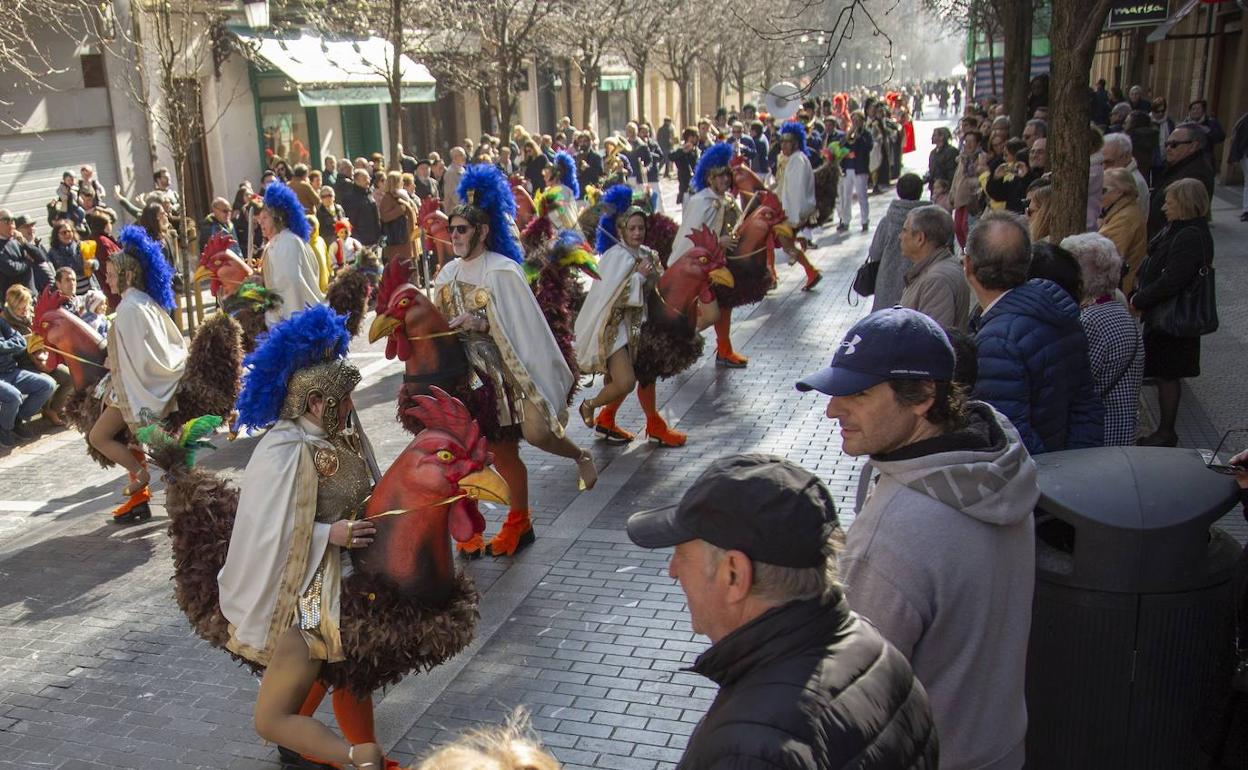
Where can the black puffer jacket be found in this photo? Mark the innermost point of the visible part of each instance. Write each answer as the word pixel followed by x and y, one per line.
pixel 811 686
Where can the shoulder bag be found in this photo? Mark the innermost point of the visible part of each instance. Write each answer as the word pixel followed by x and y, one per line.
pixel 1193 312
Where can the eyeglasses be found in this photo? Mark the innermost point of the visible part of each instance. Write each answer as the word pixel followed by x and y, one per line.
pixel 1177 143
pixel 460 229
pixel 6 220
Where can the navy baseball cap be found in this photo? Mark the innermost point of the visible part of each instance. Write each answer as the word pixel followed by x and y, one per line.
pixel 893 344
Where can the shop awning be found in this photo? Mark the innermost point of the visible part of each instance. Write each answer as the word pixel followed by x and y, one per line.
pixel 329 71
pixel 615 82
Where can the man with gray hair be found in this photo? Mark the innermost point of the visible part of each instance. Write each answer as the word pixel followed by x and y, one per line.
pixel 451 177
pixel 1117 152
pixel 1033 356
pixel 935 285
pixel 1035 129
pixel 803 681
pixel 1185 159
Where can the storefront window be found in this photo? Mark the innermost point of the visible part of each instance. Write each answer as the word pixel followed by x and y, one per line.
pixel 285 128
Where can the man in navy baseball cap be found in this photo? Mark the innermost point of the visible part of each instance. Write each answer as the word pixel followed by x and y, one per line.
pixel 892 344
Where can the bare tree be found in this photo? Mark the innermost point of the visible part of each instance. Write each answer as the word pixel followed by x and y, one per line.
pixel 638 35
pixel 22 58
pixel 680 49
pixel 1075 28
pixel 589 31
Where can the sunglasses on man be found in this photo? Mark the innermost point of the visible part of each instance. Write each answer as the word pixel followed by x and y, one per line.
pixel 460 229
pixel 1177 143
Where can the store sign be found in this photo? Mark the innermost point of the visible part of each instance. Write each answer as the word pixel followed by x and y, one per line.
pixel 1137 13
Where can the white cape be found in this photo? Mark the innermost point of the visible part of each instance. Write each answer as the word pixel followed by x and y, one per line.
pixel 795 184
pixel 146 357
pixel 293 271
pixel 620 280
pixel 519 328
pixel 703 208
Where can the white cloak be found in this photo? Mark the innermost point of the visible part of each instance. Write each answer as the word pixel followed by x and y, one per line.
pixel 795 185
pixel 565 217
pixel 703 208
pixel 146 357
pixel 519 329
pixel 620 282
pixel 292 270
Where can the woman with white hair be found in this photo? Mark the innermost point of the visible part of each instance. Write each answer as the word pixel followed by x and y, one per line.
pixel 1115 346
pixel 1122 222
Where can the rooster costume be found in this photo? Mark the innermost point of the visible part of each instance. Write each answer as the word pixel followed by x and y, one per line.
pixel 290 268
pixel 795 184
pixel 558 200
pixel 485 295
pixel 300 592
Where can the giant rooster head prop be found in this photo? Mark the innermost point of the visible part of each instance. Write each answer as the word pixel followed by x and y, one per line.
pixel 690 277
pixel 67 339
pixel 526 209
pixel 406 317
pixel 432 489
pixel 221 262
pixel 764 224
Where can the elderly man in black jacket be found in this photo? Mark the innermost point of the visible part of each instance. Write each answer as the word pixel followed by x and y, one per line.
pixel 1185 159
pixel 804 683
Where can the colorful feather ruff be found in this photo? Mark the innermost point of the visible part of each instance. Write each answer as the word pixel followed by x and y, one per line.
pixel 485 187
pixel 796 130
pixel 567 172
pixel 308 337
pixel 615 201
pixel 179 447
pixel 718 155
pixel 279 196
pixel 157 273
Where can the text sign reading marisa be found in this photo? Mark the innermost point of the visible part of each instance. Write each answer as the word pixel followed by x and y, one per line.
pixel 1136 13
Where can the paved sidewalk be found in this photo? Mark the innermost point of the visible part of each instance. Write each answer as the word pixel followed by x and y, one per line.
pixel 98 668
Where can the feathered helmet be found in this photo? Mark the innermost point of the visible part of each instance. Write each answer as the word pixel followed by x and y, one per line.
pixel 305 354
pixel 283 201
pixel 488 200
pixel 617 205
pixel 566 166
pixel 143 255
pixel 714 161
pixel 795 130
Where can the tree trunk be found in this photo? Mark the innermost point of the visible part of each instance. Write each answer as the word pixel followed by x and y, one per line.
pixel 396 82
pixel 1016 22
pixel 686 96
pixel 1075 27
pixel 589 87
pixel 504 103
pixel 992 65
pixel 641 89
pixel 182 258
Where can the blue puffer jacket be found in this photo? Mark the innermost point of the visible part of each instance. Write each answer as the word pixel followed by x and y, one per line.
pixel 1033 367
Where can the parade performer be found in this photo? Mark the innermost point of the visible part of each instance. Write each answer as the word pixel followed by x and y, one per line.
pixel 289 267
pixel 795 184
pixel 485 296
pixel 558 200
pixel 236 286
pixel 656 340
pixel 314 570
pixel 146 360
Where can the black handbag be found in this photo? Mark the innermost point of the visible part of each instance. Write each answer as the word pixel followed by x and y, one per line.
pixel 1192 312
pixel 396 231
pixel 864 280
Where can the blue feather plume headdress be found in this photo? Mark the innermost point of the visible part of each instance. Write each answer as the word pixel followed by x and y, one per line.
pixel 307 338
pixel 483 187
pixel 157 273
pixel 797 130
pixel 567 172
pixel 279 196
pixel 717 156
pixel 615 201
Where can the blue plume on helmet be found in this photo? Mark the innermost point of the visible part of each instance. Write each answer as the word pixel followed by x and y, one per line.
pixel 279 196
pixel 797 130
pixel 567 172
pixel 718 155
pixel 483 186
pixel 308 337
pixel 615 201
pixel 157 272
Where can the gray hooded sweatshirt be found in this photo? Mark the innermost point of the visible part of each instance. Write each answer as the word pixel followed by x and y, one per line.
pixel 942 560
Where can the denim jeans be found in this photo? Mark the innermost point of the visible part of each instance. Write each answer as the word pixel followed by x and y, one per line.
pixel 22 394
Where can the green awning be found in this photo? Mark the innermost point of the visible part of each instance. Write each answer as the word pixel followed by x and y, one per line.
pixel 615 83
pixel 341 97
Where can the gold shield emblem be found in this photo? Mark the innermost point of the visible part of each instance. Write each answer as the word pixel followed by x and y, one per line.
pixel 325 461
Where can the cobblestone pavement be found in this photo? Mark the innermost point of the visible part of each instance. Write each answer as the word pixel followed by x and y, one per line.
pixel 98 668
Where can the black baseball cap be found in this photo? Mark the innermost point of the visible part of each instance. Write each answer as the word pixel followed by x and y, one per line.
pixel 893 344
pixel 772 510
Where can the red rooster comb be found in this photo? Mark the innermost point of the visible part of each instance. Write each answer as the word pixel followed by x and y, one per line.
pixel 704 238
pixel 49 300
pixel 220 241
pixel 396 273
pixel 442 411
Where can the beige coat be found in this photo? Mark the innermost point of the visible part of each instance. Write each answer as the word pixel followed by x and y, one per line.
pixel 1125 226
pixel 937 288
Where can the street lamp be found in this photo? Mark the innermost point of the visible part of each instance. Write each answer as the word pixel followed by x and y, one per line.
pixel 257 13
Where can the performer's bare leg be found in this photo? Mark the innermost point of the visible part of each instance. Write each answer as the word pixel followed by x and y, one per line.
pixel 605 423
pixel 708 314
pixel 137 492
pixel 620 381
pixel 795 251
pixel 656 427
pixel 724 354
pixel 539 434
pixel 290 676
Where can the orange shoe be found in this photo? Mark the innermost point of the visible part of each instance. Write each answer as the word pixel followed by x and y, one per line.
pixel 660 433
pixel 473 548
pixel 611 432
pixel 135 509
pixel 732 360
pixel 516 533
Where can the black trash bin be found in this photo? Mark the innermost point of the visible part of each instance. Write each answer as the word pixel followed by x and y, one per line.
pixel 1132 609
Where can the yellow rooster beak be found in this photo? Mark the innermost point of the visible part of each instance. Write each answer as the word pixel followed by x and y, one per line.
pixel 201 274
pixel 722 276
pixel 784 230
pixel 486 485
pixel 34 343
pixel 382 326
